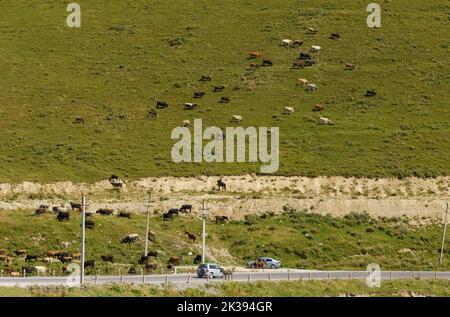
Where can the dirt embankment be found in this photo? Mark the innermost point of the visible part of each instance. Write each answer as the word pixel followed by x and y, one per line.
pixel 247 194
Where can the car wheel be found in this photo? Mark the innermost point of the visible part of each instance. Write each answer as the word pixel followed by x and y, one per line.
pixel 273 266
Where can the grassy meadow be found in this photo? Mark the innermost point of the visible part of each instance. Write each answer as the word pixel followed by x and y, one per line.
pixel 129 54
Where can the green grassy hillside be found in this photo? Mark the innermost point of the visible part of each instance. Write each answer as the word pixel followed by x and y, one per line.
pixel 298 239
pixel 130 53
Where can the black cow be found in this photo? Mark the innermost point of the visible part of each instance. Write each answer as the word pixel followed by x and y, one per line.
pixel 152 254
pixel 107 258
pixel 40 211
pixel 167 216
pixel 161 105
pixel 371 93
pixel 174 211
pixel 305 56
pixel 190 106
pixel 63 216
pixel 124 214
pixel 152 113
pixel 267 62
pixel 89 264
pixel 90 224
pixel 225 100
pixel 199 94
pixel 75 206
pixel 29 258
pixel 335 36
pixel 219 88
pixel 185 208
pixel 221 185
pixel 105 212
pixel 29 270
pixel 205 78
pixel 198 259
pixel 221 219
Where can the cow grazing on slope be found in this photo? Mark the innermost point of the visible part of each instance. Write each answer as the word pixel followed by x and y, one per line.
pixel 63 216
pixel 221 219
pixel 185 208
pixel 255 54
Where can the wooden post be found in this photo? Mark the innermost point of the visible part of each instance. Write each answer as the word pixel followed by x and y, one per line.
pixel 310 276
pixel 121 279
pixel 390 275
pixel 289 276
pixel 435 275
pixel 249 277
pixel 189 278
pixel 24 273
pixel 167 279
pixel 270 278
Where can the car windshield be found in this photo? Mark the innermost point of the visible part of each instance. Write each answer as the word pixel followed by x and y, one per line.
pixel 203 266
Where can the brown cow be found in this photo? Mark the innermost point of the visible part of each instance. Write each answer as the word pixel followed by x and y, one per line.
pixel 190 236
pixel 174 261
pixel 255 54
pixel 349 66
pixel 318 107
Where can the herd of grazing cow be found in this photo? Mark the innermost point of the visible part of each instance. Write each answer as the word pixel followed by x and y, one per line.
pixel 65 257
pixel 305 59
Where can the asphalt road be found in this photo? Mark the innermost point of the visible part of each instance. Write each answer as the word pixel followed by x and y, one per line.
pixel 187 279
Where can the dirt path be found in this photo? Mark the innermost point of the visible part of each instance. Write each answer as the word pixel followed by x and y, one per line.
pixel 247 194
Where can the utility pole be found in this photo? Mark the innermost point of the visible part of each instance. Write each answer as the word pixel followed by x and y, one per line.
pixel 148 222
pixel 443 235
pixel 83 228
pixel 203 231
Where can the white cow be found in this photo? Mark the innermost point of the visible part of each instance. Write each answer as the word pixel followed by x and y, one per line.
pixel 186 123
pixel 325 121
pixel 302 81
pixel 287 42
pixel 41 270
pixel 315 48
pixel 50 260
pixel 312 87
pixel 236 118
pixel 289 110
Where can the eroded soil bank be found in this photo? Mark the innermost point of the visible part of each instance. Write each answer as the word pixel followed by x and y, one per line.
pixel 247 194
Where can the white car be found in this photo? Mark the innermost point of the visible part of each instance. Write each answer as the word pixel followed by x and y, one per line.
pixel 210 270
pixel 267 263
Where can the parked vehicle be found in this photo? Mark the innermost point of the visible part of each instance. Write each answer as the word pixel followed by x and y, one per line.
pixel 264 263
pixel 210 270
